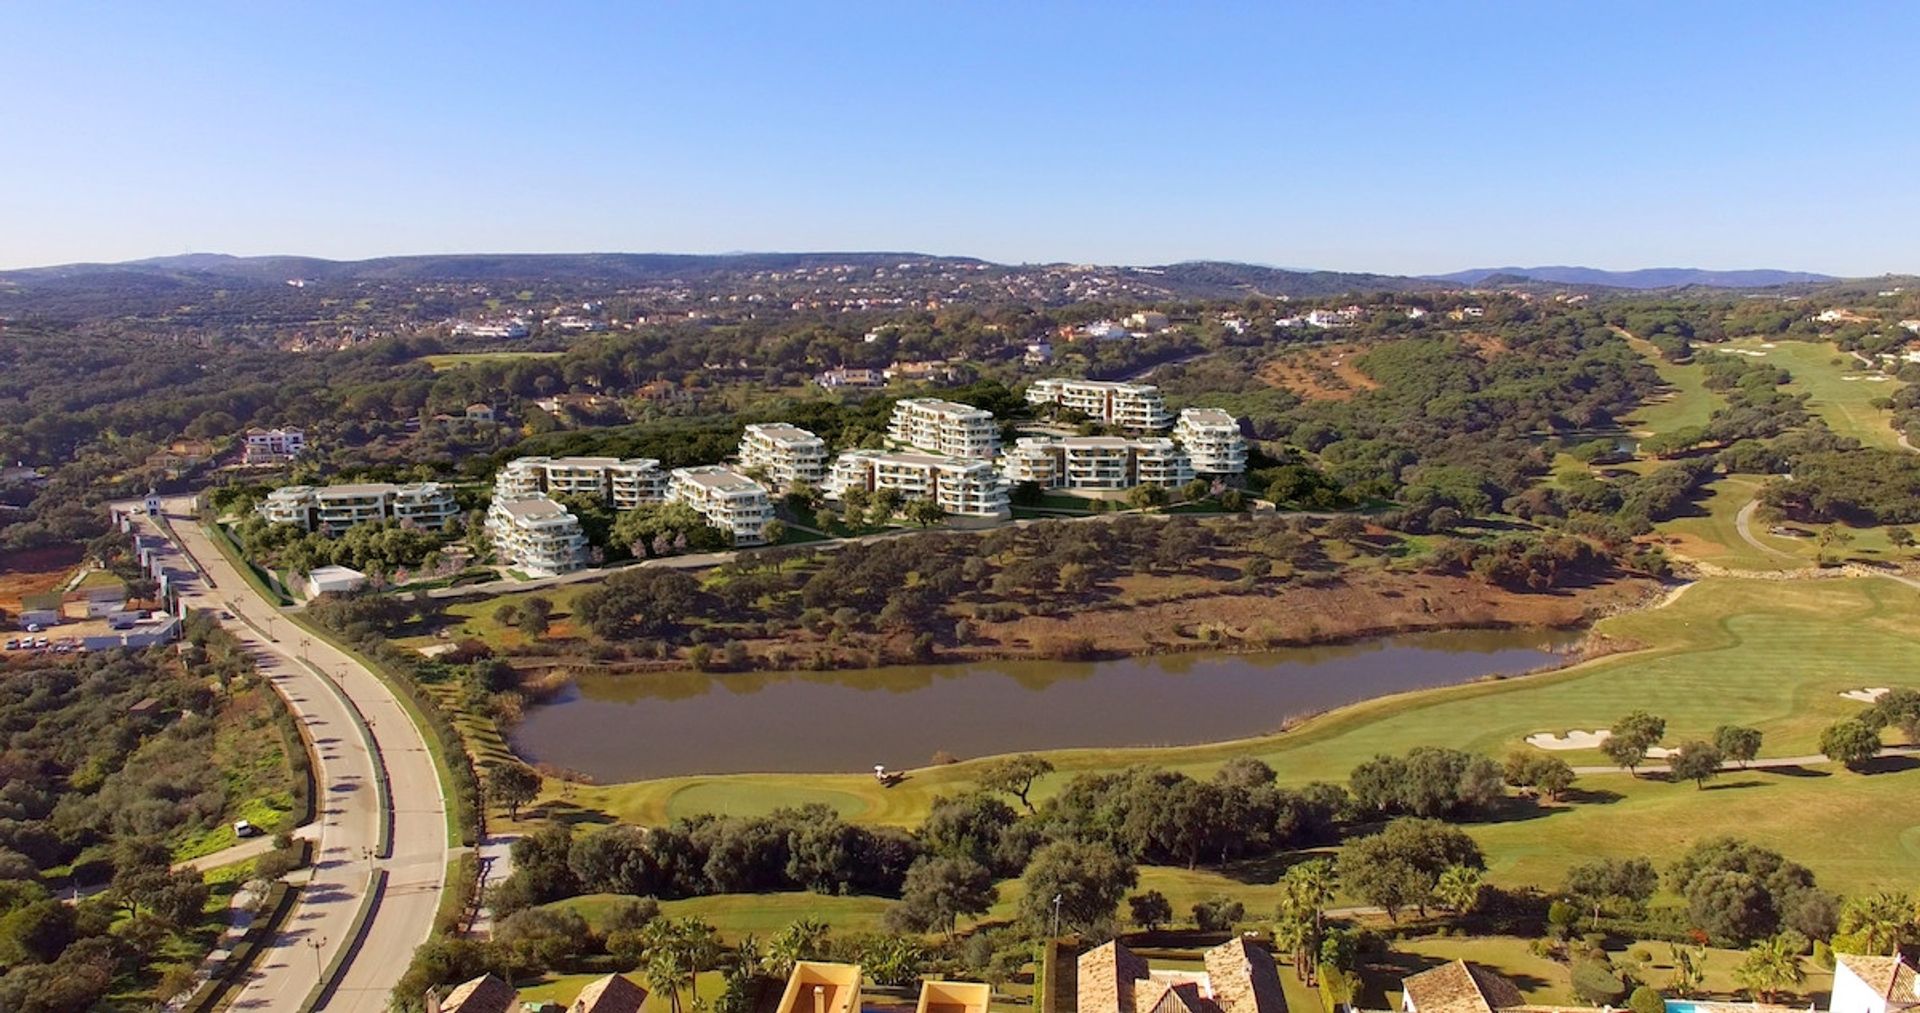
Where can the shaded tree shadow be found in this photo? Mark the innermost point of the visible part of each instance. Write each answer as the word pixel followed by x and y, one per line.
pixel 1887 765
pixel 1590 796
pixel 571 814
pixel 1731 785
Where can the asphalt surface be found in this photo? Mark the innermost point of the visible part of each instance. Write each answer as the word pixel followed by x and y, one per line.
pixel 346 771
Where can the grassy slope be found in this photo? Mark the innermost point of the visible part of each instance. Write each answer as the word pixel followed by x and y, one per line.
pixel 1689 403
pixel 450 360
pixel 1766 653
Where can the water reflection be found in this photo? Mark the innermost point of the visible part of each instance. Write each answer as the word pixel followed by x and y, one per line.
pixel 620 728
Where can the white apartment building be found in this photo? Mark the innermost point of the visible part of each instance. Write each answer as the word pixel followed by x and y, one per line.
pixel 1211 438
pixel 625 483
pixel 961 486
pixel 268 445
pixel 536 535
pixel 787 455
pixel 1097 463
pixel 1865 984
pixel 1135 406
pixel 944 427
pixel 333 507
pixel 728 500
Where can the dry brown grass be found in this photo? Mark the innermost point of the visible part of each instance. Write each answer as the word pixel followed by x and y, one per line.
pixel 1318 373
pixel 35 571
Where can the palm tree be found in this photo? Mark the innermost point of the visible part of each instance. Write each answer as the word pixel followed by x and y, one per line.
pixel 801 940
pixel 1771 967
pixel 673 952
pixel 1295 934
pixel 1337 986
pixel 1306 890
pixel 1459 888
pixel 1879 923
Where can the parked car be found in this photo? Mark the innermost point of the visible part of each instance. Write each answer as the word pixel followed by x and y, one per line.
pixel 242 828
pixel 13 644
pixel 40 643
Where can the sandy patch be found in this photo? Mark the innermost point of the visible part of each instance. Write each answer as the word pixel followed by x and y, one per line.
pixel 1575 739
pixel 1322 373
pixel 436 650
pixel 1659 752
pixel 1871 694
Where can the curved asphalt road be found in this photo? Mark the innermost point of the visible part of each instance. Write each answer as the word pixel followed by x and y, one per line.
pixel 349 827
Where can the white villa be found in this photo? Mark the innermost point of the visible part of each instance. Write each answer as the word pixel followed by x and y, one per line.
pixel 265 446
pixel 1211 438
pixel 944 427
pixel 624 483
pixel 728 500
pixel 964 487
pixel 332 507
pixel 1873 984
pixel 787 455
pixel 1096 463
pixel 537 535
pixel 1137 406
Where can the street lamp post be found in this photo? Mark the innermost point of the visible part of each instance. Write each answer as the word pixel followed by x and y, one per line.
pixel 315 943
pixel 1056 915
pixel 304 644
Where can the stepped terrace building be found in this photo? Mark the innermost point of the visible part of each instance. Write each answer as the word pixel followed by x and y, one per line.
pixel 1136 406
pixel 787 455
pixel 535 534
pixel 622 483
pixel 728 500
pixel 966 488
pixel 1096 463
pixel 944 427
pixel 334 507
pixel 1212 440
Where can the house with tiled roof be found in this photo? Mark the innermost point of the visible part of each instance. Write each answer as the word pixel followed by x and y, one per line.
pixel 1459 987
pixel 485 994
pixel 1239 978
pixel 1869 984
pixel 610 994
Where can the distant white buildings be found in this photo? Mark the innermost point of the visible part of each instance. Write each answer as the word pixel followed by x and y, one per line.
pixel 271 446
pixel 335 507
pixel 960 486
pixel 536 535
pixel 944 427
pixel 1136 406
pixel 730 501
pixel 334 580
pixel 1096 463
pixel 1147 320
pixel 842 376
pixel 1212 440
pixel 513 328
pixel 1104 330
pixel 786 455
pixel 623 483
pixel 1038 353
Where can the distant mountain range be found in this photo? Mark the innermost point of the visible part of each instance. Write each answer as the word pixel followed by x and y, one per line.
pixel 1650 277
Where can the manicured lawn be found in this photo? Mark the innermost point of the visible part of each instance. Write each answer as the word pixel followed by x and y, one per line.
pixel 741 914
pixel 450 360
pixel 1689 403
pixel 1770 654
pixel 1842 393
pixel 1712 534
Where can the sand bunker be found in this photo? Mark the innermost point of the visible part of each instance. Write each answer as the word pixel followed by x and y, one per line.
pixel 1871 694
pixel 1575 739
pixel 1659 752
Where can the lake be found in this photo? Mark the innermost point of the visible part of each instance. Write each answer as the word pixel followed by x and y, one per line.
pixel 632 727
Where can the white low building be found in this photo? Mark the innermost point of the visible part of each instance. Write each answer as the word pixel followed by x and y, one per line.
pixel 334 580
pixel 1136 406
pixel 786 455
pixel 623 483
pixel 536 535
pixel 947 428
pixel 728 500
pixel 265 446
pixel 960 486
pixel 334 507
pixel 1097 463
pixel 1211 437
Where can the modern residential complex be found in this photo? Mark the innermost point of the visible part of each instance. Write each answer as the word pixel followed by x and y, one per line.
pixel 1096 463
pixel 333 507
pixel 1136 406
pixel 1212 440
pixel 786 455
pixel 728 500
pixel 622 483
pixel 535 534
pixel 964 487
pixel 267 446
pixel 944 427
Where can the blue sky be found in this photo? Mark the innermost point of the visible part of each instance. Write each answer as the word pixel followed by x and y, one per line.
pixel 1417 137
